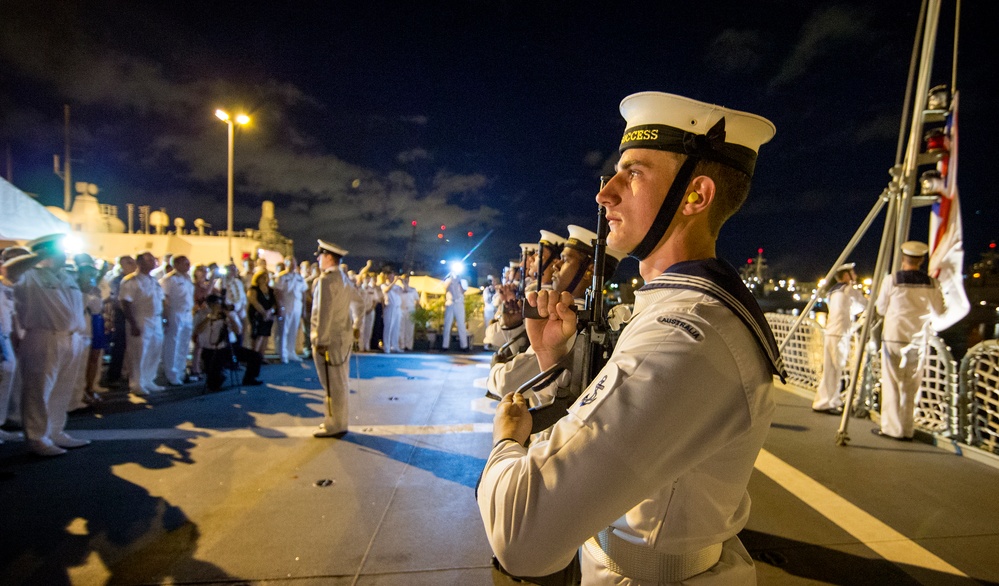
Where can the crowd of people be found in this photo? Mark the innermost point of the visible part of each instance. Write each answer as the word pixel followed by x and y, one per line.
pixel 73 327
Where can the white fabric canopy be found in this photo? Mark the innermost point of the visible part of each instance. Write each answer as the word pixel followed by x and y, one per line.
pixel 23 218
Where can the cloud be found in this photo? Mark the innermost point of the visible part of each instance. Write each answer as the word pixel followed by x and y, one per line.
pixel 182 153
pixel 735 51
pixel 412 155
pixel 825 30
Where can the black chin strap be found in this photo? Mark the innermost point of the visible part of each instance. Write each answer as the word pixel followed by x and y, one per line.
pixel 580 272
pixel 667 210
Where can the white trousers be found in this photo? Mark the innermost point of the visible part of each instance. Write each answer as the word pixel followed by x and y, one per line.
pixel 176 346
pixel 292 323
pixel 367 329
pixel 827 396
pixel 143 354
pixel 406 331
pixel 455 313
pixel 335 379
pixel 50 362
pixel 901 375
pixel 391 316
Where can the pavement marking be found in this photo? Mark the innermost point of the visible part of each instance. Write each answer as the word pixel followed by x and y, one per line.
pixel 298 431
pixel 879 537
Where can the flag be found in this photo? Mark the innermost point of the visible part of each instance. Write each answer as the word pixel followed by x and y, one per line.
pixel 946 238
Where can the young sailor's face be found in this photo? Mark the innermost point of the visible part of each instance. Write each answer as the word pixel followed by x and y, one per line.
pixel 634 194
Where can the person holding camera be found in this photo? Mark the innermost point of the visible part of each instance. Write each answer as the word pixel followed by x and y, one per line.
pixel 216 333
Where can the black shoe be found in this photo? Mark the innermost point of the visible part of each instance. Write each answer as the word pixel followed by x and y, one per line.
pixel 253 382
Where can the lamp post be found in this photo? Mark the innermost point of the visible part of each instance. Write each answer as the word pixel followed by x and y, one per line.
pixel 240 119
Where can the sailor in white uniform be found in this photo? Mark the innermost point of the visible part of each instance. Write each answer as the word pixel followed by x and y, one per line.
pixel 178 309
pixel 290 286
pixel 409 300
pixel 573 268
pixel 454 311
pixel 646 475
pixel 141 299
pixel 49 305
pixel 391 311
pixel 908 300
pixel 845 302
pixel 332 335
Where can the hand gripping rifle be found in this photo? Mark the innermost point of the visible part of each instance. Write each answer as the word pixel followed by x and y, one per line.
pixel 591 349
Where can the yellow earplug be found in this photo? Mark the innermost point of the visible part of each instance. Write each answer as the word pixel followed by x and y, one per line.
pixel 693 196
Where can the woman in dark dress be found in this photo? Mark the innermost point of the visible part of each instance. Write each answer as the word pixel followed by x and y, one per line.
pixel 263 310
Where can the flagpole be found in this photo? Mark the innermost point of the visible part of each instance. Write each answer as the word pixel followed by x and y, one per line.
pixel 911 164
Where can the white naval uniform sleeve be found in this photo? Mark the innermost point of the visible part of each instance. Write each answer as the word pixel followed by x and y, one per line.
pixel 673 422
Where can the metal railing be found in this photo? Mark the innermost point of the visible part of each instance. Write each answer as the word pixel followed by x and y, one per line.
pixel 960 403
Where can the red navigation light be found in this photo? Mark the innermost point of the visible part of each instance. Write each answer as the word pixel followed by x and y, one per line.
pixel 469 234
pixel 759 250
pixel 414 222
pixel 749 261
pixel 992 244
pixel 440 236
pixel 443 227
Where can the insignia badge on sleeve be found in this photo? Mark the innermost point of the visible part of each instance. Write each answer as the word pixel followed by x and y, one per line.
pixel 682 325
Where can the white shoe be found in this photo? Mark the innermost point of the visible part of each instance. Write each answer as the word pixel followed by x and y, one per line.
pixel 324 431
pixel 44 448
pixel 154 388
pixel 64 441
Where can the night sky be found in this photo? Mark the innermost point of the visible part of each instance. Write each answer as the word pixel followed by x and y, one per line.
pixel 478 115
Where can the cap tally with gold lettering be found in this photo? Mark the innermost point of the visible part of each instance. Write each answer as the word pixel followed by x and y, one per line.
pixel 667 122
pixel 915 248
pixel 331 248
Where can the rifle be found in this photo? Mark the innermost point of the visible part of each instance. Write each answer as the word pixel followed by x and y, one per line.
pixel 592 347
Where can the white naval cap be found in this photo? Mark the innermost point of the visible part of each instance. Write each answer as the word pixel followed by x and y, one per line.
pixel 847 266
pixel 915 248
pixel 325 246
pixel 581 239
pixel 528 247
pixel 22 256
pixel 551 238
pixel 667 122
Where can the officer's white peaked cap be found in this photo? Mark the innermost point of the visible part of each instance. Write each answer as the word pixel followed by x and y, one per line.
pixel 330 247
pixel 50 241
pixel 847 266
pixel 915 248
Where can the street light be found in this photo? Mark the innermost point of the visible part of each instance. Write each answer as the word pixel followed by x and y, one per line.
pixel 240 119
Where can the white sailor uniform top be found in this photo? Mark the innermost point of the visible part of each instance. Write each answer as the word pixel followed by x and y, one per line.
pixel 658 449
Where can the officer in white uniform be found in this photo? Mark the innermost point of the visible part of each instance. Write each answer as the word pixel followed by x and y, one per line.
pixel 391 311
pixel 141 299
pixel 49 305
pixel 908 300
pixel 290 287
pixel 410 298
pixel 370 294
pixel 845 302
pixel 178 293
pixel 454 311
pixel 674 421
pixel 332 336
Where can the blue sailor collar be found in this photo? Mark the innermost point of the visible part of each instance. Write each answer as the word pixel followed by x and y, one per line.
pixel 718 279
